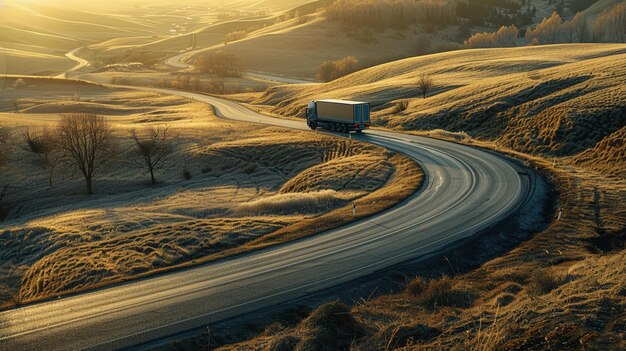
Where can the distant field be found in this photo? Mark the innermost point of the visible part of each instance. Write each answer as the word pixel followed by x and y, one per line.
pixel 298 46
pixel 34 37
pixel 247 188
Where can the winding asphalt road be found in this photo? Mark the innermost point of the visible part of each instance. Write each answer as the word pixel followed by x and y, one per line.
pixel 80 63
pixel 466 190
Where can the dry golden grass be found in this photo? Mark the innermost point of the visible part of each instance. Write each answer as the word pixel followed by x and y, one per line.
pixel 35 37
pixel 312 202
pixel 248 189
pixel 553 100
pixel 563 289
pixel 607 156
pixel 297 47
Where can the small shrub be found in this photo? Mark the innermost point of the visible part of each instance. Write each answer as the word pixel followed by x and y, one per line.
pixel 19 83
pixel 396 335
pixel 331 70
pixel 42 144
pixel 186 173
pixel 440 292
pixel 234 36
pixel 449 135
pixel 542 281
pixel 273 329
pixel 401 105
pixel 284 343
pixel 312 202
pixel 221 63
pixel 330 327
pixel 416 287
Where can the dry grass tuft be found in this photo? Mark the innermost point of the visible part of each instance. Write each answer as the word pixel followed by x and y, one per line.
pixel 416 287
pixel 543 281
pixel 559 109
pixel 330 327
pixel 301 203
pixel 444 291
pixel 224 190
pixel 283 343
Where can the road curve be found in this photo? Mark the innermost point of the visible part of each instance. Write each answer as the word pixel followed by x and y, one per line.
pixel 80 63
pixel 178 62
pixel 466 190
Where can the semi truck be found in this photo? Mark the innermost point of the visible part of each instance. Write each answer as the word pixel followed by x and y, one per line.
pixel 341 116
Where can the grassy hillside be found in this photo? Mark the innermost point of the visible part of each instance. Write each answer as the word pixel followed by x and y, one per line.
pixel 602 5
pixel 249 17
pixel 35 37
pixel 561 290
pixel 225 189
pixel 297 47
pixel 160 46
pixel 561 110
pixel 555 101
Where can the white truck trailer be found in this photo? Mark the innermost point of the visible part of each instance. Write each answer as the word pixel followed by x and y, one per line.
pixel 338 115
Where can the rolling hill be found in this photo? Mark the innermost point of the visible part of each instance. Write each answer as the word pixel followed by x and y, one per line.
pixel 34 37
pixel 559 109
pixel 296 47
pixel 557 100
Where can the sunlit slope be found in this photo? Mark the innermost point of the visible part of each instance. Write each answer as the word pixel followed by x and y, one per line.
pixel 557 100
pixel 281 4
pixel 211 36
pixel 298 46
pixel 602 5
pixel 208 36
pixel 64 23
pixel 34 38
pixel 16 61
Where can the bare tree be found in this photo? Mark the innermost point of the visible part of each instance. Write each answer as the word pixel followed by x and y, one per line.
pixel 40 143
pixel 221 63
pixel 580 26
pixel 425 84
pixel 85 142
pixel 504 37
pixel 611 24
pixel 5 146
pixel 151 148
pixel 5 158
pixel 547 32
pixel 330 70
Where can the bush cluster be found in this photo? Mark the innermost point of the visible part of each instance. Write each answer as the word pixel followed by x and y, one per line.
pixel 332 69
pixel 383 14
pixel 504 37
pixel 221 63
pixel 610 26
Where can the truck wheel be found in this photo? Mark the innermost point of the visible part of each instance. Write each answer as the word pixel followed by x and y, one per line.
pixel 344 129
pixel 313 125
pixel 333 127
